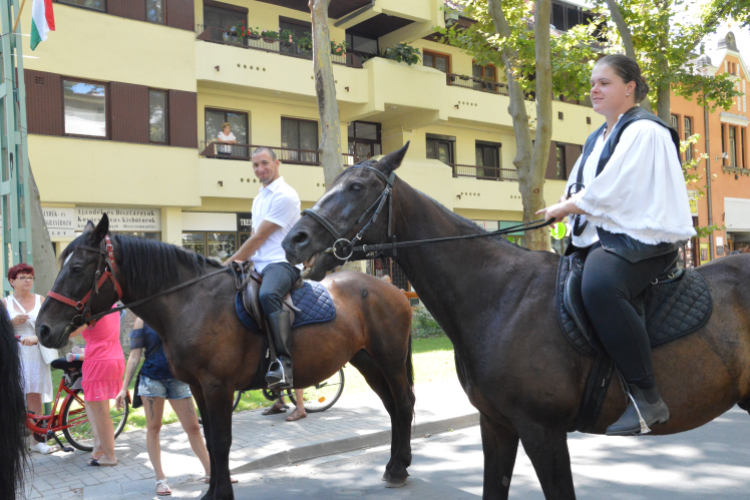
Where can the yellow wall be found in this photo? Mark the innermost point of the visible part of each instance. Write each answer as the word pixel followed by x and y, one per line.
pixel 98 46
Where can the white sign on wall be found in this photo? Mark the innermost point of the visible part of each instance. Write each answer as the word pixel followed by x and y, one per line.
pixel 120 219
pixel 60 223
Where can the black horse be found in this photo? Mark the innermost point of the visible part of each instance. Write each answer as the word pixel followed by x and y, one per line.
pixel 13 458
pixel 495 301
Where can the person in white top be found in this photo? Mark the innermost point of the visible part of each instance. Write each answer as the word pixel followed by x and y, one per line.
pixel 23 307
pixel 226 137
pixel 275 210
pixel 630 213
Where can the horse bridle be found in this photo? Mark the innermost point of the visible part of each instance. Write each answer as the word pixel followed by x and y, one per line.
pixel 341 243
pixel 83 306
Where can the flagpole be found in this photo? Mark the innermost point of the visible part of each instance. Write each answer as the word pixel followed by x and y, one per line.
pixel 18 18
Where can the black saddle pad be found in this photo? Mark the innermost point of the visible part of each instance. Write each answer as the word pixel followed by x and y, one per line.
pixel 672 309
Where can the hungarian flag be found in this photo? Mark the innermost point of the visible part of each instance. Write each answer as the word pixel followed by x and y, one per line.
pixel 42 21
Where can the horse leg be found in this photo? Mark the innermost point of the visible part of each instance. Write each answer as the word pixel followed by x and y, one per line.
pixel 218 399
pixel 548 451
pixel 500 446
pixel 363 362
pixel 200 400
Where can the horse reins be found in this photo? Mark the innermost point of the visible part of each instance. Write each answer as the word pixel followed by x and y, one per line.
pixel 106 252
pixel 345 245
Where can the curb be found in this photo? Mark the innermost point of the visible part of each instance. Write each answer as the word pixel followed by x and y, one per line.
pixel 352 443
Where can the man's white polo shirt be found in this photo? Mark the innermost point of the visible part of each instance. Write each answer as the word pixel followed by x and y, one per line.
pixel 278 203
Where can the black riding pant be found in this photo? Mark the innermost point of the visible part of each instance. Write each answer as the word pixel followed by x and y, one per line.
pixel 278 280
pixel 609 285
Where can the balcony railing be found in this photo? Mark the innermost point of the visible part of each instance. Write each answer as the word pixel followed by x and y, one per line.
pixel 245 152
pixel 485 173
pixel 470 82
pixel 227 37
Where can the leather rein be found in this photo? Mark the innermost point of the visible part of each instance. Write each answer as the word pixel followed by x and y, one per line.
pixel 106 253
pixel 348 248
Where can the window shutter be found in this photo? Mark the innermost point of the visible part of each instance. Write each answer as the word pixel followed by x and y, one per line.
pixel 183 119
pixel 129 112
pixel 130 9
pixel 552 162
pixel 44 107
pixel 181 14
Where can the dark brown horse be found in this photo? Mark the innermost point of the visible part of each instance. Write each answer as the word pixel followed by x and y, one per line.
pixel 208 347
pixel 496 302
pixel 12 413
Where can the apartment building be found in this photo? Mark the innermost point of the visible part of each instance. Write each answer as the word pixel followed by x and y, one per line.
pixel 727 203
pixel 124 121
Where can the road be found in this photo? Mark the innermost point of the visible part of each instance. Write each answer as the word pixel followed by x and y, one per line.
pixel 710 462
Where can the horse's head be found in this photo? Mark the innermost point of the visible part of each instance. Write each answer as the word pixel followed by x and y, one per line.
pixel 346 208
pixel 83 263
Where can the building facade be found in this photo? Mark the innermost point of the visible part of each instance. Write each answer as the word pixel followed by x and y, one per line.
pixel 725 176
pixel 125 122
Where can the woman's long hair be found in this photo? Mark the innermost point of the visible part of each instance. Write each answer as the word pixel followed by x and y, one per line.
pixel 13 458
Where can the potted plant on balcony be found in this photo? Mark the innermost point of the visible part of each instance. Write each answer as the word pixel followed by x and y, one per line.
pixel 304 43
pixel 403 52
pixel 270 36
pixel 338 49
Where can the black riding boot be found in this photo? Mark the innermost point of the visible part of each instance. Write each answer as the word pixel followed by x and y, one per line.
pixel 645 408
pixel 279 374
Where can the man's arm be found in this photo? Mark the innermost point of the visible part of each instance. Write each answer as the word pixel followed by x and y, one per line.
pixel 265 230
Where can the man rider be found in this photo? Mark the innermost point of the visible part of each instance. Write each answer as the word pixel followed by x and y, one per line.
pixel 275 210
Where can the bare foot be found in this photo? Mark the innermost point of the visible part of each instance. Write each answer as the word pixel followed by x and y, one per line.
pixel 296 415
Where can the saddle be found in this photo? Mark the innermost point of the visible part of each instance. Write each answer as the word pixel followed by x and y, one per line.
pixel 676 304
pixel 250 291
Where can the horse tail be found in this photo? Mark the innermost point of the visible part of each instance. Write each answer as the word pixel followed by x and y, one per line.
pixel 13 458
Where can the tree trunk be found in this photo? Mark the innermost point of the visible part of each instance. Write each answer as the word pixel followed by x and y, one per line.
pixel 663 87
pixel 530 172
pixel 627 40
pixel 325 88
pixel 45 265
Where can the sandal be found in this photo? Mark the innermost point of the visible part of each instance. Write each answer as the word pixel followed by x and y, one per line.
pixel 207 480
pixel 95 463
pixel 275 410
pixel 296 415
pixel 93 458
pixel 166 491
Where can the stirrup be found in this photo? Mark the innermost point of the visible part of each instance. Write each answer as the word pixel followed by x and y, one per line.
pixel 644 426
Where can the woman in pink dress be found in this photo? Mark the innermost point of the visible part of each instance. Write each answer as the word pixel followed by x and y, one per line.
pixel 103 368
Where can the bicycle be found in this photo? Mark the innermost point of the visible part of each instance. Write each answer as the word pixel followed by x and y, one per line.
pixel 72 420
pixel 317 398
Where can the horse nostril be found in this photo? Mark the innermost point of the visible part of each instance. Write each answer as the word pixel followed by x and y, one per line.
pixel 300 238
pixel 43 332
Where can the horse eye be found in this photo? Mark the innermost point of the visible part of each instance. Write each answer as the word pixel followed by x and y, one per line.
pixel 77 269
pixel 356 187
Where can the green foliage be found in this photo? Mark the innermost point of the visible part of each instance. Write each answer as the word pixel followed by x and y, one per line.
pixel 305 42
pixel 572 52
pixel 270 34
pixel 338 49
pixel 403 52
pixel 423 325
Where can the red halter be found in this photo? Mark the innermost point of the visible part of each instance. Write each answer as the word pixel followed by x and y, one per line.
pixel 110 269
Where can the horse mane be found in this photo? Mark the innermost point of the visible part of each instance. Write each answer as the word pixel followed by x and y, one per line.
pixel 148 265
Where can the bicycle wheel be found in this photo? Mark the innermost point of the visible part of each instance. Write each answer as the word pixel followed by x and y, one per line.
pixel 322 396
pixel 79 434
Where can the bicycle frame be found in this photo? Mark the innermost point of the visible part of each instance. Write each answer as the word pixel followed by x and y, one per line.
pixel 54 421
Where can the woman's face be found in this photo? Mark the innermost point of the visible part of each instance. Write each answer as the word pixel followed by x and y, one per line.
pixel 23 282
pixel 609 93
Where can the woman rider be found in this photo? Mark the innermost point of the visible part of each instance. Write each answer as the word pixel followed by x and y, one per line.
pixel 631 214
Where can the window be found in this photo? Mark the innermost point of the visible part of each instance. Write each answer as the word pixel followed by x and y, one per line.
pixel 364 140
pixel 88 4
pixel 732 146
pixel 675 122
pixel 221 18
pixel 688 125
pixel 440 148
pixel 362 45
pixel 487 73
pixel 562 172
pixel 157 116
pixel 299 135
pixel 155 11
pixel 488 156
pixel 723 144
pixel 742 144
pixel 85 108
pixel 195 242
pixel 565 17
pixel 299 32
pixel 440 62
pixel 238 124
pixel 221 245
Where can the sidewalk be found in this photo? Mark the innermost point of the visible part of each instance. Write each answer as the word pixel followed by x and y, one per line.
pixel 258 442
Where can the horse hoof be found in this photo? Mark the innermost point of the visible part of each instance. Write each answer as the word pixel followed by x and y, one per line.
pixel 395 482
pixel 385 476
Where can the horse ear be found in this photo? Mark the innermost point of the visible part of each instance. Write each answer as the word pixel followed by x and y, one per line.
pixel 102 228
pixel 392 161
pixel 89 227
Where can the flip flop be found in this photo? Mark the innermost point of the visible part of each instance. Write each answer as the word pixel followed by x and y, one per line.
pixel 296 416
pixel 274 410
pixel 95 463
pixel 207 480
pixel 93 459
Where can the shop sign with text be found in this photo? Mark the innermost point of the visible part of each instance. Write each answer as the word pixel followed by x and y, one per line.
pixel 120 219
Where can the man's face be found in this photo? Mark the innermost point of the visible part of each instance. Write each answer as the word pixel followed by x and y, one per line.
pixel 266 169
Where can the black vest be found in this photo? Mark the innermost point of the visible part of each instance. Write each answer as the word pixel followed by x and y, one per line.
pixel 621 244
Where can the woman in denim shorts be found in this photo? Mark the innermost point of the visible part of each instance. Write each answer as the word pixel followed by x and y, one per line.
pixel 157 384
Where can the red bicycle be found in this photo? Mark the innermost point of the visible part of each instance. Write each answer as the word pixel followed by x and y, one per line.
pixel 72 420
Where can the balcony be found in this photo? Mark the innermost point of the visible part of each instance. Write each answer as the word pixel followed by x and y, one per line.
pixel 470 82
pixel 244 152
pixel 485 173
